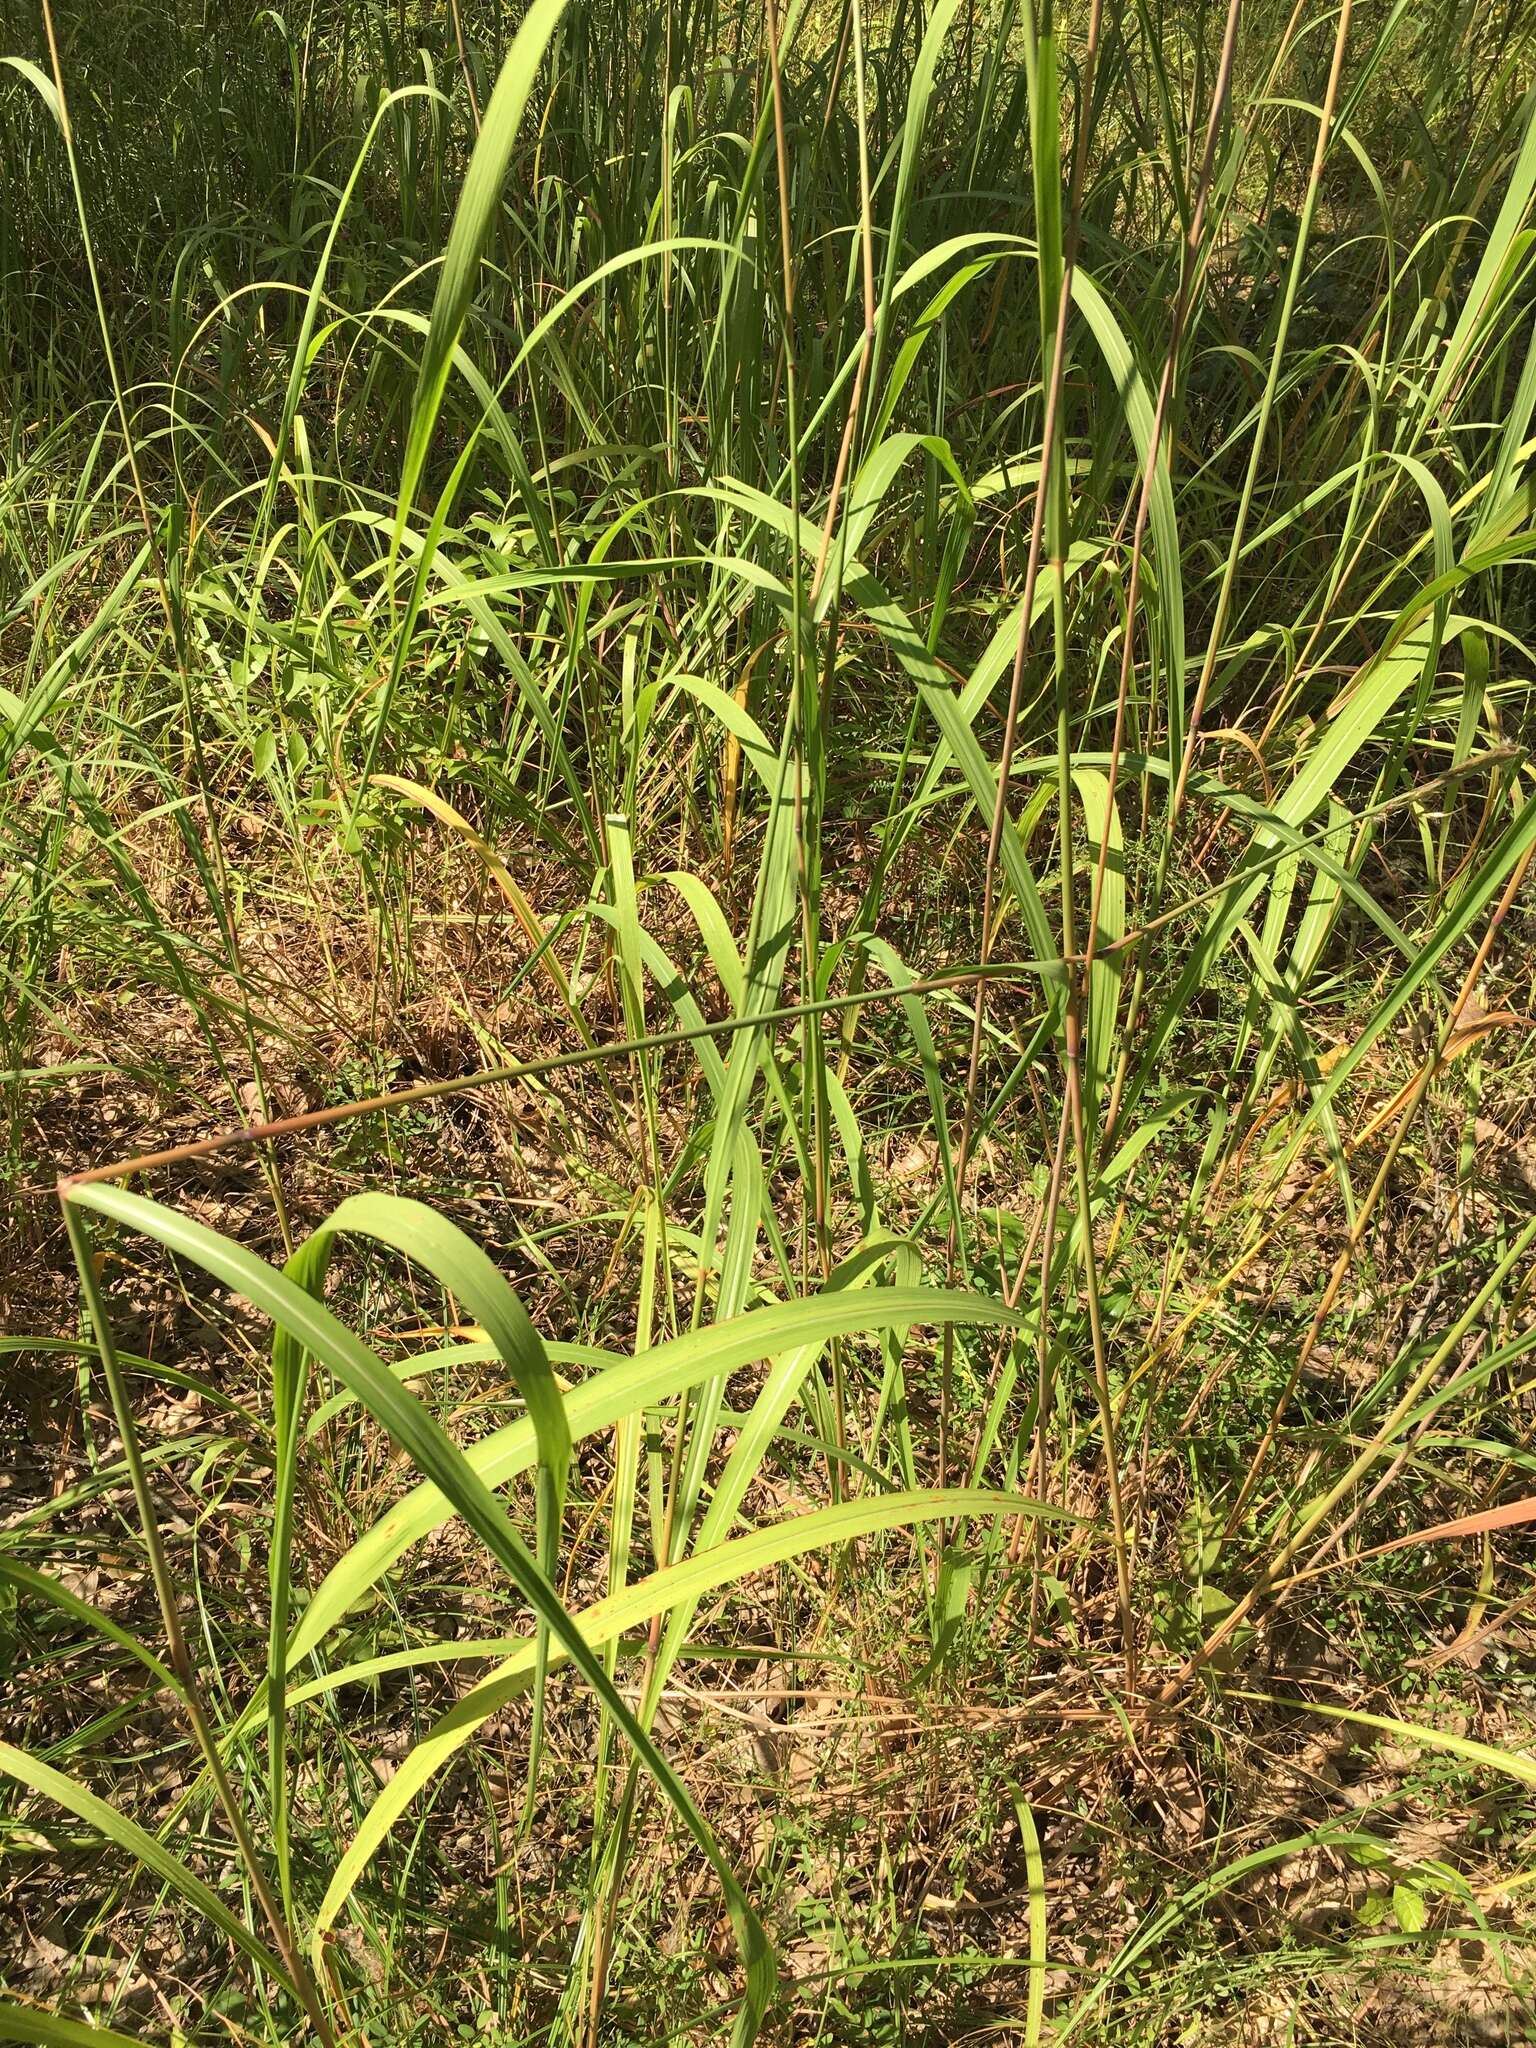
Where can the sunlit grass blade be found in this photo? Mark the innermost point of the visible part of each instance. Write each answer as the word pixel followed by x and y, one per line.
pixel 330 1344
pixel 676 1588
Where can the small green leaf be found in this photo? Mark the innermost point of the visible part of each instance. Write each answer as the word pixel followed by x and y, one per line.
pixel 1409 1909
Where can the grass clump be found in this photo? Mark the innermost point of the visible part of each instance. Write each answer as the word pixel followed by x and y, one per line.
pixel 764 914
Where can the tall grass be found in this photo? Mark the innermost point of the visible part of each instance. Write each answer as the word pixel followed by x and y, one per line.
pixel 902 639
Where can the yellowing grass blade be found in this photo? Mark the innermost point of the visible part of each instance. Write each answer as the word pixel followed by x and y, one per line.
pixel 1034 1865
pixel 1506 1763
pixel 500 874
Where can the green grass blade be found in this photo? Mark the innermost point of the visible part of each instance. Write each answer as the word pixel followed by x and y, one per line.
pixel 472 221
pixel 126 1835
pixel 439 1459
